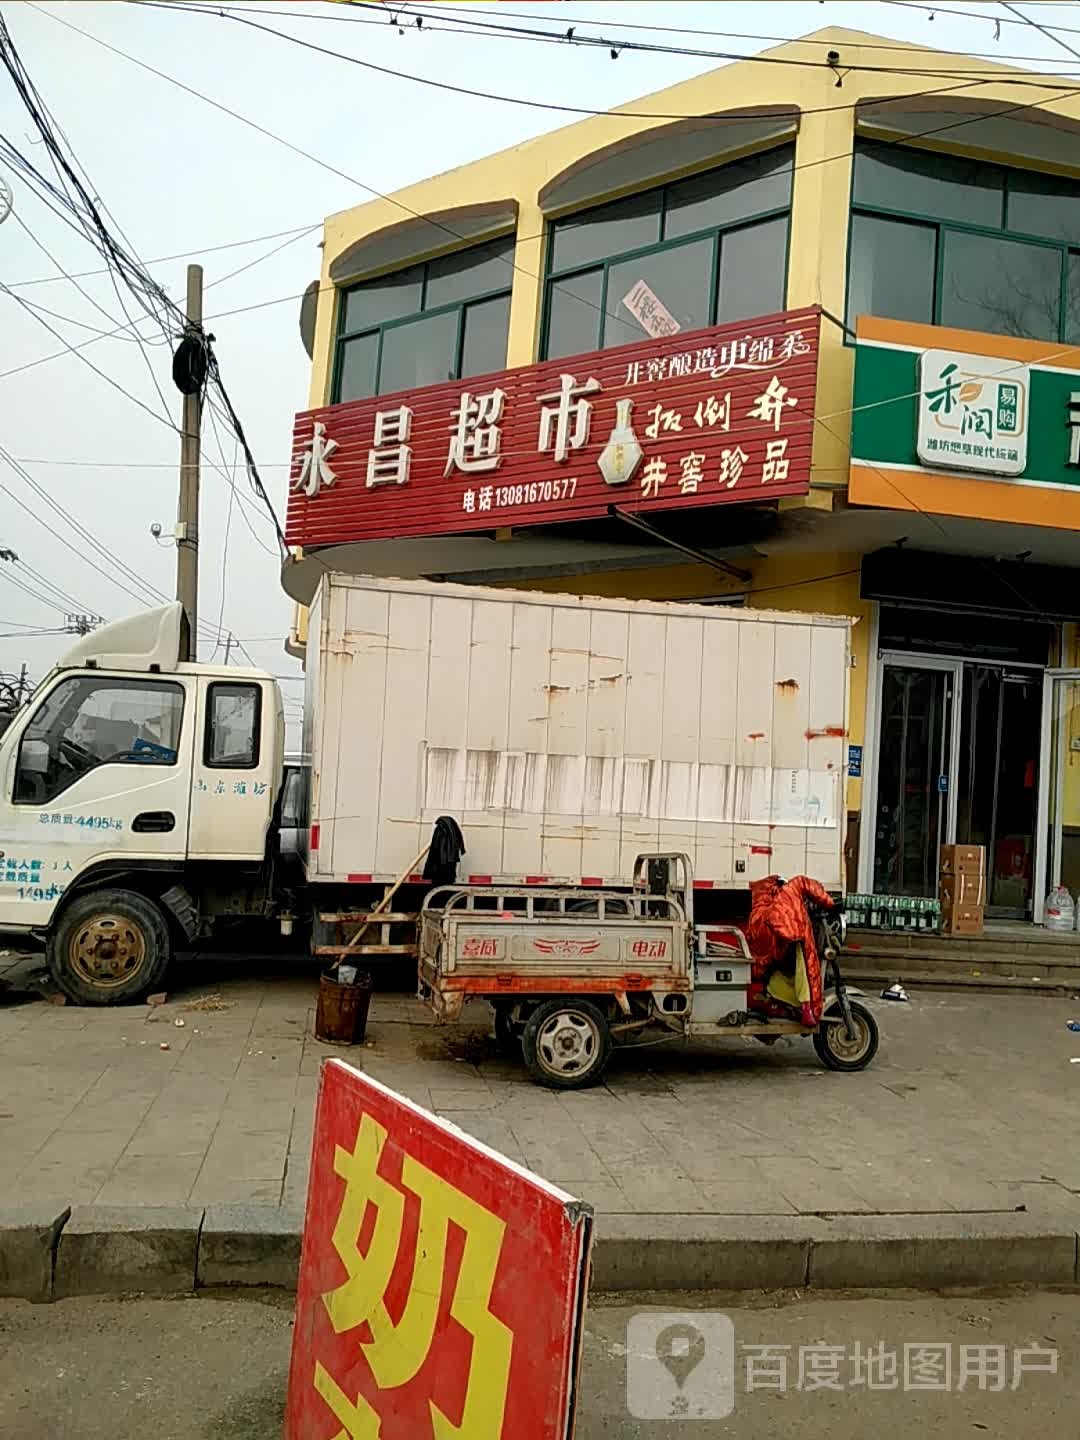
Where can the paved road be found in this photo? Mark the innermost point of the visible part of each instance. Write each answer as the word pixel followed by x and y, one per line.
pixel 205 1369
pixel 970 1106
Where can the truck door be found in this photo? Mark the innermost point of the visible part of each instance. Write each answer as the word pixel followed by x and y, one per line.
pixel 237 769
pixel 98 772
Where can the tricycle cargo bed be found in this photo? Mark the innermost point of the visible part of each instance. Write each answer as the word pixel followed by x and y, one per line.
pixel 500 942
pixel 567 735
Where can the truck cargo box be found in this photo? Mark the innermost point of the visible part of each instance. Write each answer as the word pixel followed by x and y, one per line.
pixel 567 735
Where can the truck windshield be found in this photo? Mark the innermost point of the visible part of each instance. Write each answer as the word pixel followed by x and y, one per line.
pixel 87 721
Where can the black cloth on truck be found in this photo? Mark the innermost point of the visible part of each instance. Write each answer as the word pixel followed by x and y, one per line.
pixel 447 848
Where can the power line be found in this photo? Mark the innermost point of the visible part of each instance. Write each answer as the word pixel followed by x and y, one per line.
pixel 965 77
pixel 226 471
pixel 565 19
pixel 1042 29
pixel 62 274
pixel 252 124
pixel 933 10
pixel 114 567
pixel 450 14
pixel 20 584
pixel 454 234
pixel 122 263
pixel 67 602
pixel 298 233
pixel 616 45
pixel 31 634
pixel 77 350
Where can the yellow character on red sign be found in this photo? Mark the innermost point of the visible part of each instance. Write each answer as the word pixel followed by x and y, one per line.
pixel 396 1352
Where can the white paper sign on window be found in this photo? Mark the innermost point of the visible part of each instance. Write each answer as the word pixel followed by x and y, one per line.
pixel 649 311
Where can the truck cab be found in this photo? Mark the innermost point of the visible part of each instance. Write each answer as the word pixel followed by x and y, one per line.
pixel 138 801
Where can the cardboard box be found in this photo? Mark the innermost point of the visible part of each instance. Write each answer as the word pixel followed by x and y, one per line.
pixel 963 860
pixel 961 919
pixel 962 889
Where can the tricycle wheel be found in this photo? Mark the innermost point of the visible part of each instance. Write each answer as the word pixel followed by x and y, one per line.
pixel 566 1044
pixel 836 1051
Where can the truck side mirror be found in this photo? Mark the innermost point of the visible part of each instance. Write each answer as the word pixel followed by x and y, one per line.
pixel 34 757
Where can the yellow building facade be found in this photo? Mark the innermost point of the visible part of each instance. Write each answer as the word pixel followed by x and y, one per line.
pixel 919 188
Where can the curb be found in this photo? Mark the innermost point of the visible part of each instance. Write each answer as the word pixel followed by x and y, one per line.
pixel 103 1250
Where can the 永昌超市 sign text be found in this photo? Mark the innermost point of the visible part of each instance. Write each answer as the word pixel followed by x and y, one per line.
pixel 724 415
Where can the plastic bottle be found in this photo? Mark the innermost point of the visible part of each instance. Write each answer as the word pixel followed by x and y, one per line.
pixel 1059 912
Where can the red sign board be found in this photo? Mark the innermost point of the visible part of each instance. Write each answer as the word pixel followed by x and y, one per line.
pixel 442 1288
pixel 713 417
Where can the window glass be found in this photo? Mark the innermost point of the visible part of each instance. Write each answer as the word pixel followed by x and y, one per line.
pixel 419 352
pixel 941 187
pixel 470 272
pixel 1072 313
pixel 358 364
pixel 891 269
pixel 232 726
pixel 1003 286
pixel 1043 205
pixel 679 278
pixel 735 192
pixel 376 301
pixel 607 230
pixel 86 722
pixel 574 314
pixel 487 326
pixel 753 265
pixel 294 797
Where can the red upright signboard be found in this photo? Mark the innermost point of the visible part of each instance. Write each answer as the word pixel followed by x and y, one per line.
pixel 719 416
pixel 442 1288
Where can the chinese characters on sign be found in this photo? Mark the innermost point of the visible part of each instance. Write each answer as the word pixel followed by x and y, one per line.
pixel 314 471
pixel 722 416
pixel 973 412
pixel 413 1315
pixel 649 311
pixel 82 822
pixel 34 879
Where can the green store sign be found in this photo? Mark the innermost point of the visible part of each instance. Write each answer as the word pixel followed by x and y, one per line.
pixel 963 413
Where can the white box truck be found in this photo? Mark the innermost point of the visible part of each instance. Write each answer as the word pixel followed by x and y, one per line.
pixel 140 796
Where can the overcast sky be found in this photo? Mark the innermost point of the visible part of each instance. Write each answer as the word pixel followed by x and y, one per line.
pixel 180 177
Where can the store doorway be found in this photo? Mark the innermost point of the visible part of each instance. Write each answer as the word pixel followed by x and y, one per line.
pixel 917 743
pixel 997 783
pixel 1058 821
pixel 957 762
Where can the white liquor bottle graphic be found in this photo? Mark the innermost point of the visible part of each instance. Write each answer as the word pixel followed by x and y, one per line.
pixel 622 454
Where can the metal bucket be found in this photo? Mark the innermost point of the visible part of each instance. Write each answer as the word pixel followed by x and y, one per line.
pixel 342 1012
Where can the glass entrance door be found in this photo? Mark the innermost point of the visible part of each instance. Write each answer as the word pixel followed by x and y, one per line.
pixel 915 801
pixel 996 781
pixel 1057 860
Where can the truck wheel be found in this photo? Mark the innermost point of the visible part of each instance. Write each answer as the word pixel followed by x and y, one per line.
pixel 837 1052
pixel 109 948
pixel 566 1044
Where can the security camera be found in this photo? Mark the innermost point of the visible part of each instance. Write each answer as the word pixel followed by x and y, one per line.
pixel 833 57
pixel 155 530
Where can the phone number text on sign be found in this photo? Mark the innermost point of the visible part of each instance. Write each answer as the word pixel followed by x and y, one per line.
pixel 536 492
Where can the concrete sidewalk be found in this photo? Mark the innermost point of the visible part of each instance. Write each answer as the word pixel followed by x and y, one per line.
pixel 970 1106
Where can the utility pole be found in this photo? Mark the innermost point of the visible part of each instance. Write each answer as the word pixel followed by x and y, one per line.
pixel 228 646
pixel 187 514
